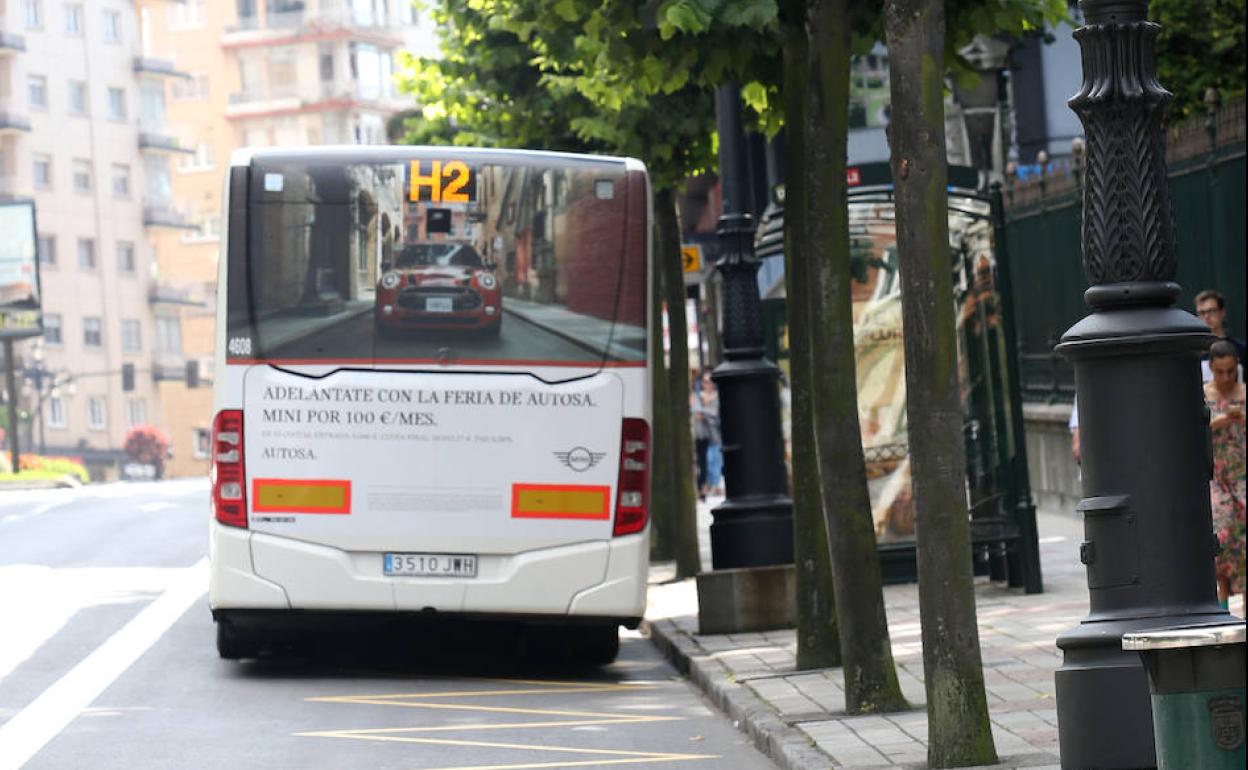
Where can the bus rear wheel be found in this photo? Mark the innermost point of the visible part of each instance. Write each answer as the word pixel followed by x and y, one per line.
pixel 596 645
pixel 233 644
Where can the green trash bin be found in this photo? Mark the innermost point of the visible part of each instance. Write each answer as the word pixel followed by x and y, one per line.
pixel 1196 675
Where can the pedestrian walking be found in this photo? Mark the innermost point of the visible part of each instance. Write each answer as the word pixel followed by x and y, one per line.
pixel 715 448
pixel 1211 307
pixel 704 407
pixel 1225 399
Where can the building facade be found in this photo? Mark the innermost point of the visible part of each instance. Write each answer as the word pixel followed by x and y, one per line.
pixel 83 134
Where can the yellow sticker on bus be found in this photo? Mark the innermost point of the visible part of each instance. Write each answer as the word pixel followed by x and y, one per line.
pixel 301 496
pixel 560 501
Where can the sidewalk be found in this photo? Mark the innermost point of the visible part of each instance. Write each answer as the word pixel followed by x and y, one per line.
pixel 798 718
pixel 597 335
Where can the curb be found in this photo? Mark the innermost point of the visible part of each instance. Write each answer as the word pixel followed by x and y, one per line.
pixel 787 746
pixel 525 316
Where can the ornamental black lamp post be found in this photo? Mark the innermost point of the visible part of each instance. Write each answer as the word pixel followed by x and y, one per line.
pixel 753 527
pixel 1143 426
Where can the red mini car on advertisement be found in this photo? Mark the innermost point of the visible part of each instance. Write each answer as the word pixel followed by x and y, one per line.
pixel 439 285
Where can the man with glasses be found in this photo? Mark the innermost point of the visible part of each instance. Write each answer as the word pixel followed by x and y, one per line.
pixel 1211 307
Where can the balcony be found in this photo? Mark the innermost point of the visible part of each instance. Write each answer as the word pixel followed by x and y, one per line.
pixel 156 141
pixel 13 123
pixel 314 23
pixel 164 214
pixel 149 65
pixel 168 366
pixel 165 293
pixel 251 104
pixel 11 43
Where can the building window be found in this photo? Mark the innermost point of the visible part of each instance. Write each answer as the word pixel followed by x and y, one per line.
pixel 125 257
pixel 112 27
pixel 43 172
pixel 37 91
pixel 73 19
pixel 86 253
pixel 116 103
pixel 209 229
pixel 121 180
pixel 202 160
pixel 327 66
pixel 56 412
pixel 97 413
pixel 152 103
pixel 34 13
pixel 201 442
pixel 131 336
pixel 82 176
pixel 283 75
pixel 193 89
pixel 47 250
pixel 91 332
pixel 188 14
pixel 52 329
pixel 169 334
pixel 136 412
pixel 77 97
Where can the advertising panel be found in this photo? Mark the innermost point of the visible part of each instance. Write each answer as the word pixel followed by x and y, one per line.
pixel 19 271
pixel 519 261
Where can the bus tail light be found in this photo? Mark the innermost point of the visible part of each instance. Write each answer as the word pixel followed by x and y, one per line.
pixel 229 496
pixel 632 509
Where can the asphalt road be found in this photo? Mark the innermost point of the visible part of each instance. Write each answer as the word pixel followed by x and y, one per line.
pixel 107 661
pixel 518 339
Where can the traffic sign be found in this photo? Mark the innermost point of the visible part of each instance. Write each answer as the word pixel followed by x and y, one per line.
pixel 691 258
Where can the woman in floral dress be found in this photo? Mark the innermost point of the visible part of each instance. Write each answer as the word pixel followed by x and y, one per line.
pixel 1225 397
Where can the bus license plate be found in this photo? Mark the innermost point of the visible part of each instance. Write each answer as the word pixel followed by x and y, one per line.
pixel 431 564
pixel 439 305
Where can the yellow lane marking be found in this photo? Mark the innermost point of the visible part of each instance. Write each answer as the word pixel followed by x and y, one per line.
pixel 475 693
pixel 609 719
pixel 571 718
pixel 509 710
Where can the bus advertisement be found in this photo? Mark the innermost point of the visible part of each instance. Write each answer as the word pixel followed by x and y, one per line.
pixel 432 393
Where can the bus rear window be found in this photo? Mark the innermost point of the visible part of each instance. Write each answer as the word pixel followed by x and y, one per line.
pixel 525 260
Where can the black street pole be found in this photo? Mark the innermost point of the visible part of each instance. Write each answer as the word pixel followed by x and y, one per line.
pixel 753 527
pixel 10 383
pixel 1143 425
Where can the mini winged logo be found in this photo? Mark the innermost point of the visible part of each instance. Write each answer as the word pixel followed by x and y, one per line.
pixel 580 459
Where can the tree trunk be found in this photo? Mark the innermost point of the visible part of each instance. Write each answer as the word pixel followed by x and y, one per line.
pixel 684 498
pixel 662 482
pixel 818 638
pixel 959 733
pixel 870 678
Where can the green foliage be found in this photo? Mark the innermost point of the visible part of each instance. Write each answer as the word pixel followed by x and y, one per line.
pixel 1201 46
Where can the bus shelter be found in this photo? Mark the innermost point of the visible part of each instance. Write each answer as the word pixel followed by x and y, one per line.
pixel 1003 524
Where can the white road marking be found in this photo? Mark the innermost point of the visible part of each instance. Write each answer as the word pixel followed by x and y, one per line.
pixel 1054 539
pixel 31 729
pixel 159 505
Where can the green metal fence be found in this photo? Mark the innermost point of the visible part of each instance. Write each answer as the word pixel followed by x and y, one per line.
pixel 1206 160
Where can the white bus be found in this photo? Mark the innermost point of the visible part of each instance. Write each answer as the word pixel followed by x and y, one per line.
pixel 431 392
